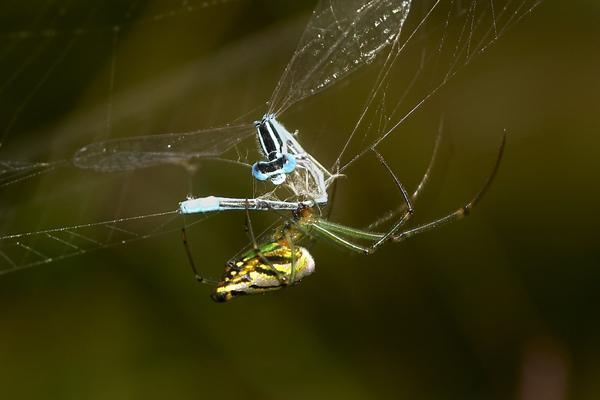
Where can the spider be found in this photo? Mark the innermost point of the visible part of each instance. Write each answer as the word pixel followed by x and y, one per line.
pixel 279 262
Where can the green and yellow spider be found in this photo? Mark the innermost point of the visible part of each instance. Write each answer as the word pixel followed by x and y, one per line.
pixel 279 262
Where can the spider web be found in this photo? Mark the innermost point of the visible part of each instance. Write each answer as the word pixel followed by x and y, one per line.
pixel 72 74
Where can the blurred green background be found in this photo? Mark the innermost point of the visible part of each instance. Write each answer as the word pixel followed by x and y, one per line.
pixel 503 305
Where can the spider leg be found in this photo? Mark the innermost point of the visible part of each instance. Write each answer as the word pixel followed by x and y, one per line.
pixel 406 214
pixel 425 178
pixel 257 250
pixel 458 214
pixel 290 241
pixel 420 187
pixel 189 256
pixel 344 235
pixel 330 205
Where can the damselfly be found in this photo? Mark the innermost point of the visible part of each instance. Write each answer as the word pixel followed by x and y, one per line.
pixel 340 37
